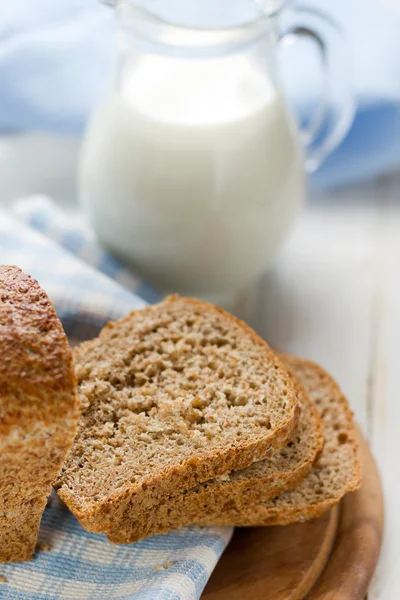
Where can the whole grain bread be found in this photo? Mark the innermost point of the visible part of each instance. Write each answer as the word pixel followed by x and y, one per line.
pixel 172 395
pixel 240 489
pixel 336 472
pixel 38 409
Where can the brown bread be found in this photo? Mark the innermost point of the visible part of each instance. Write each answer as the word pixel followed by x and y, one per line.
pixel 260 481
pixel 38 409
pixel 335 473
pixel 172 395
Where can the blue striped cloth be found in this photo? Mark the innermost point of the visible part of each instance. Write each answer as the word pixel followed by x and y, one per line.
pixel 71 563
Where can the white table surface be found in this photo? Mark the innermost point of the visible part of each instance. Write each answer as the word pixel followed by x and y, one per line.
pixel 333 296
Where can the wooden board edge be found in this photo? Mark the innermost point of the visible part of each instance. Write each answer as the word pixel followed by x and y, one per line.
pixel 354 557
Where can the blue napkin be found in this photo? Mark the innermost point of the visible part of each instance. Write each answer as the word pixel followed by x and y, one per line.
pixel 56 59
pixel 72 564
pixel 75 235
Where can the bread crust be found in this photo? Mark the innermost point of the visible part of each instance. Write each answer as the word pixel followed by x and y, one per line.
pixel 38 408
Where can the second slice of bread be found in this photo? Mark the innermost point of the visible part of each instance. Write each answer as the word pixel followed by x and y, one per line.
pixel 335 473
pixel 172 395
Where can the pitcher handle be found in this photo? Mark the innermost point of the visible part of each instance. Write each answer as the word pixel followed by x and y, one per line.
pixel 336 108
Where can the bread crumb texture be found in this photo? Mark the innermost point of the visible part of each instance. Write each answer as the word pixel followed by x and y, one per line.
pixel 335 473
pixel 237 490
pixel 171 395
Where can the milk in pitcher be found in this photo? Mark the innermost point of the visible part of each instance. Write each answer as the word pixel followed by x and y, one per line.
pixel 192 172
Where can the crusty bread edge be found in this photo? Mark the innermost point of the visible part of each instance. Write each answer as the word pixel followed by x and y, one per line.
pixel 22 434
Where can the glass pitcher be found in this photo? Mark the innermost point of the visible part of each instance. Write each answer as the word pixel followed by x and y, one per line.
pixel 192 167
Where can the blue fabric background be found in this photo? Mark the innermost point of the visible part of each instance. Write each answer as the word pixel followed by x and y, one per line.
pixel 56 59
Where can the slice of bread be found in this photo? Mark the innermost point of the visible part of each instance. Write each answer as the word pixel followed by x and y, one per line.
pixel 240 489
pixel 38 409
pixel 172 395
pixel 335 473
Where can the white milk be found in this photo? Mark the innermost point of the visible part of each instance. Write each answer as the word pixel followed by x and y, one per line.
pixel 192 172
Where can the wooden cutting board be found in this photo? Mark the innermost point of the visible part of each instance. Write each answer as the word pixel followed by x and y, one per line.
pixel 331 558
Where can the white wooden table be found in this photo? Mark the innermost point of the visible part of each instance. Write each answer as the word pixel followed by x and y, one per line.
pixel 333 296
